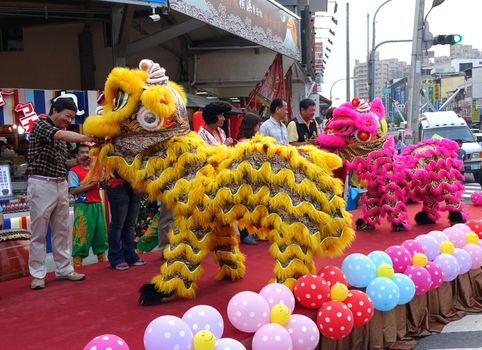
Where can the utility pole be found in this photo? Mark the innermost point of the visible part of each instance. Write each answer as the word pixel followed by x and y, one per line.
pixel 348 74
pixel 415 81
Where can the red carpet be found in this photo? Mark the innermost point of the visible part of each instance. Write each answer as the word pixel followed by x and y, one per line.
pixel 66 315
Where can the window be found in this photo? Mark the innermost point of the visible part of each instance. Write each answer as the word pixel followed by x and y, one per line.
pixel 11 39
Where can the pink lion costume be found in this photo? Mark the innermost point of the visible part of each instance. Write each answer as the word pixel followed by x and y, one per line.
pixel 428 172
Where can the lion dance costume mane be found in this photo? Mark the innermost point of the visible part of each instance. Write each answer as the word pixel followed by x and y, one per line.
pixel 285 194
pixel 427 172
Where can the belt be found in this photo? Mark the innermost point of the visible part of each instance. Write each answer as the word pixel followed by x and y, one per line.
pixel 47 178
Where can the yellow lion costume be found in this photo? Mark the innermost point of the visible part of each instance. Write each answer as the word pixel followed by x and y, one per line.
pixel 283 193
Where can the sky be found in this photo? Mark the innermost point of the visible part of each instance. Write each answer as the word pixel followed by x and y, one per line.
pixel 394 21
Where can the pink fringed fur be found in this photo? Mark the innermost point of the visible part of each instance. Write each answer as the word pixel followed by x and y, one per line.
pixel 428 172
pixel 377 107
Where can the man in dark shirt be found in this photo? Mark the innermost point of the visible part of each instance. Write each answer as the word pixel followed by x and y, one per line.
pixel 47 192
pixel 304 129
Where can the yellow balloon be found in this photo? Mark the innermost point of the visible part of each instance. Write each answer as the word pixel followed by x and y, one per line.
pixel 280 314
pixel 385 270
pixel 339 292
pixel 204 340
pixel 419 259
pixel 472 237
pixel 446 247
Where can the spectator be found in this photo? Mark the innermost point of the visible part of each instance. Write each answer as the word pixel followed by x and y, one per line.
pixel 274 126
pixel 89 217
pixel 304 129
pixel 47 191
pixel 124 208
pixel 214 117
pixel 399 145
pixel 249 126
pixel 460 152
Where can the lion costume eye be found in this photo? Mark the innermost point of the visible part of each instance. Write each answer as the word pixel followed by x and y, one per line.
pixel 120 100
pixel 363 136
pixel 148 120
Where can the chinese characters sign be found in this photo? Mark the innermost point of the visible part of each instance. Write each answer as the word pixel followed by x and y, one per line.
pixel 259 21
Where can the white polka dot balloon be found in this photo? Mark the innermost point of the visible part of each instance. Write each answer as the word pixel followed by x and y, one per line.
pixel 248 311
pixel 303 331
pixel 168 333
pixel 204 317
pixel 277 293
pixel 449 265
pixel 464 259
pixel 272 336
pixel 228 344
pixel 335 320
pixel 107 342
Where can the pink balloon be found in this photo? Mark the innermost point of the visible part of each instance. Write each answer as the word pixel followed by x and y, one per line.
pixel 436 273
pixel 449 265
pixel 272 336
pixel 476 198
pixel 277 293
pixel 420 277
pixel 463 227
pixel 413 247
pixel 475 252
pixel 248 311
pixel 439 236
pixel 107 341
pixel 464 259
pixel 303 331
pixel 400 256
pixel 456 236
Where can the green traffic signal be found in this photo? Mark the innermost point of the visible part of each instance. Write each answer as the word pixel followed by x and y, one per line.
pixel 455 39
pixel 450 39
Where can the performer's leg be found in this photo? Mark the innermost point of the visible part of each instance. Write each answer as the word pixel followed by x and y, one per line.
pixel 182 266
pixel 227 254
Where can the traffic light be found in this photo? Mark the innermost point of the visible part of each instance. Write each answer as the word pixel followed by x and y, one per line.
pixel 450 39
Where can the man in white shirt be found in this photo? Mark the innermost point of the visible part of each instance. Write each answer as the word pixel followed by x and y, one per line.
pixel 274 126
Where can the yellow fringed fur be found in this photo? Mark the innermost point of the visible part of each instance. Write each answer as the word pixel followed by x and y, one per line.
pixel 282 193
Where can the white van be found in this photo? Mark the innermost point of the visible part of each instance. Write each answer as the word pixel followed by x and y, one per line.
pixel 449 125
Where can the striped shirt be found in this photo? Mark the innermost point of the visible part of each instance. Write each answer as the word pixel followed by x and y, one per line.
pixel 210 139
pixel 46 156
pixel 275 129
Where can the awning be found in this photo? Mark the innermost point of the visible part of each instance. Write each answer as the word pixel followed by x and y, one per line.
pixel 196 101
pixel 323 99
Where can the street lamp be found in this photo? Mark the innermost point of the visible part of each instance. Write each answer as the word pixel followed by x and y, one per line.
pixel 435 3
pixel 371 59
pixel 332 85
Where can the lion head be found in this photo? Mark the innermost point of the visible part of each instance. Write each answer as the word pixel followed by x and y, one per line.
pixel 355 122
pixel 140 101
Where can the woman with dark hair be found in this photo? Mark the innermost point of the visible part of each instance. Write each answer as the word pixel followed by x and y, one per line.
pixel 214 117
pixel 249 126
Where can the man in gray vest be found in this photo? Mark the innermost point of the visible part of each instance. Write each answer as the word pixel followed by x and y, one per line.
pixel 303 129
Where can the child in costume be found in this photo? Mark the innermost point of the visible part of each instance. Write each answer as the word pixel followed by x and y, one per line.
pixel 89 217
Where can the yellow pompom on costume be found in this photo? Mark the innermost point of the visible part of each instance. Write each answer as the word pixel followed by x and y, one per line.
pixel 283 193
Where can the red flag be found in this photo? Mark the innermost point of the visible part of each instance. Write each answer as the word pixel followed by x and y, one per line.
pixel 270 87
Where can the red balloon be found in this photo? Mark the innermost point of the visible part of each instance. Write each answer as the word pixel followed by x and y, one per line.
pixel 476 226
pixel 311 291
pixel 361 306
pixel 335 320
pixel 333 274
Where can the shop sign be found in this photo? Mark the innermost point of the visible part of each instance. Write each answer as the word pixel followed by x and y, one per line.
pixel 4 93
pixel 26 105
pixel 29 117
pixel 263 22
